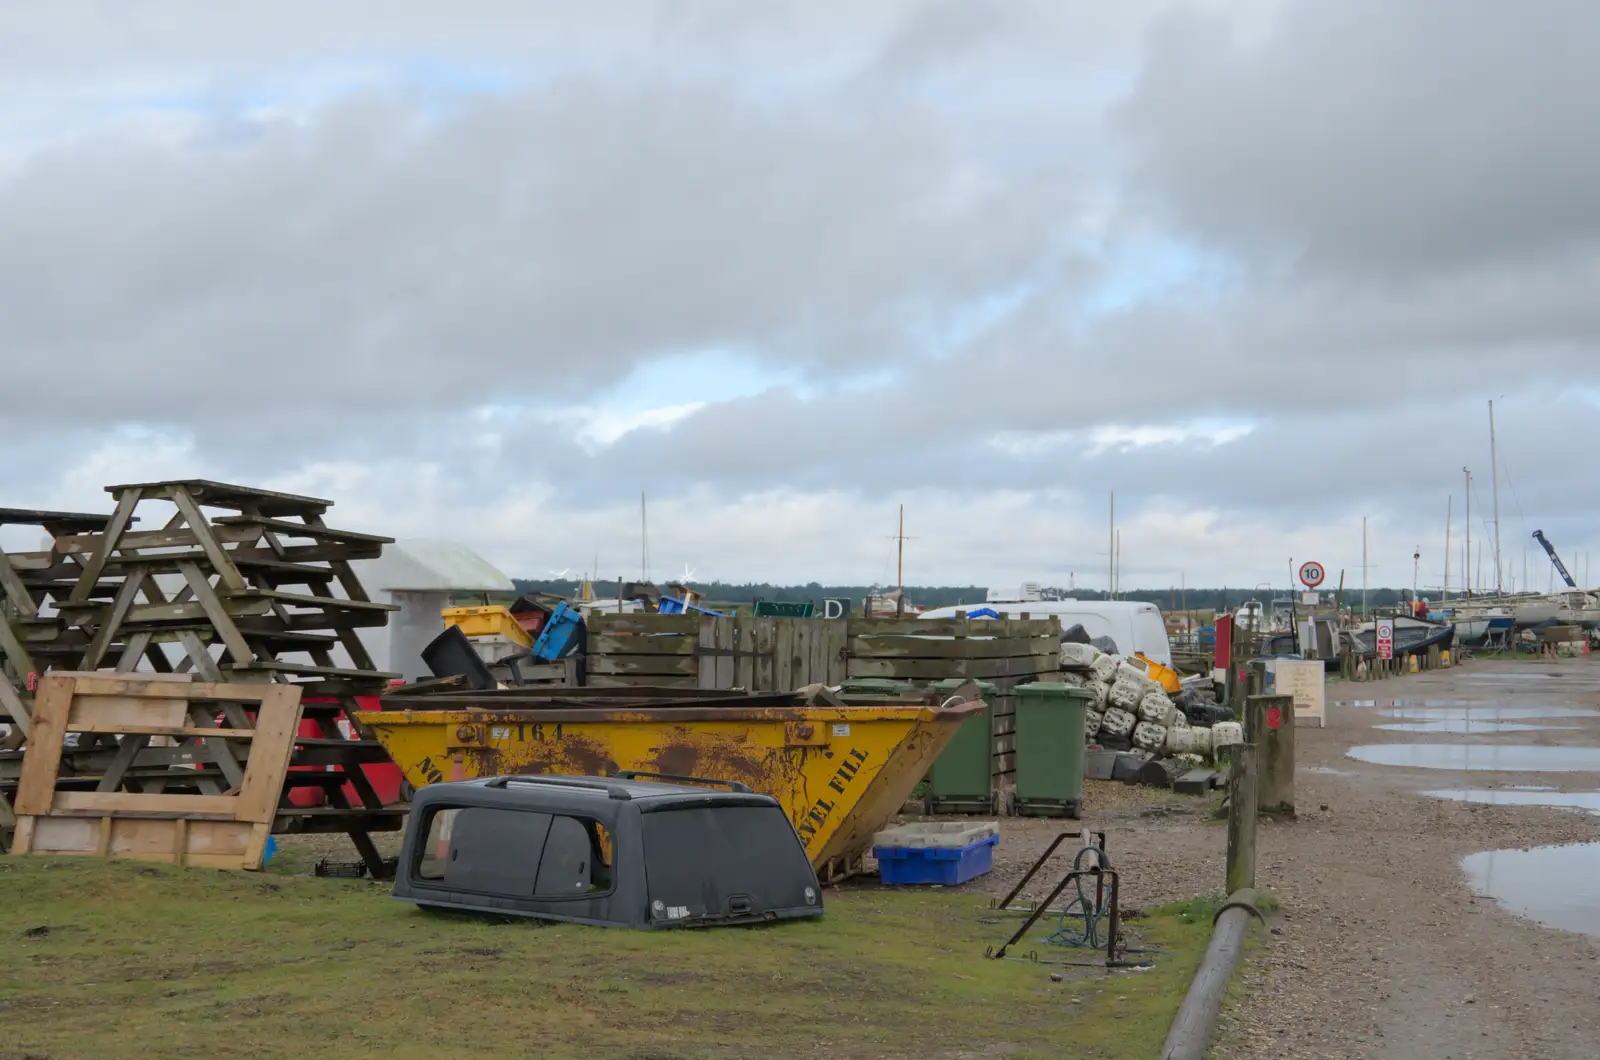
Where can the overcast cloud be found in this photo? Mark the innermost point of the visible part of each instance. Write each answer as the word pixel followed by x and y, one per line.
pixel 487 272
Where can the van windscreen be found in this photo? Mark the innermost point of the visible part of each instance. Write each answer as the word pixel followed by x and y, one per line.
pixel 728 860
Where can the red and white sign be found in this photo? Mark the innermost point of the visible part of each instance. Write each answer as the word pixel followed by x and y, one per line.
pixel 1312 574
pixel 1385 638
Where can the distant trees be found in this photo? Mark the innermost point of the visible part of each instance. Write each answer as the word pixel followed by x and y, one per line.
pixel 951 595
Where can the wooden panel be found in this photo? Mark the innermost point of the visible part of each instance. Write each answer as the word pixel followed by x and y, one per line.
pixel 1002 627
pixel 688 625
pixel 783 657
pixel 113 802
pixel 637 644
pixel 836 638
pixel 277 722
pixel 765 663
pixel 144 824
pixel 107 713
pixel 901 647
pixel 683 665
pixel 37 785
pixel 725 645
pixel 705 644
pixel 642 681
pixel 173 731
pixel 939 670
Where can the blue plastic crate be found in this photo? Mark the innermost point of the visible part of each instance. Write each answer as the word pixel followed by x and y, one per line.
pixel 898 866
pixel 560 636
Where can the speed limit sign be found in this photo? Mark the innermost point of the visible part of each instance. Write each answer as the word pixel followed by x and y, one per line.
pixel 1311 574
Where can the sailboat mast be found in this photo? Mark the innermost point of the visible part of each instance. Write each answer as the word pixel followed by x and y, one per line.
pixel 1363 567
pixel 1466 564
pixel 1494 477
pixel 644 542
pixel 900 559
pixel 1449 504
pixel 1111 552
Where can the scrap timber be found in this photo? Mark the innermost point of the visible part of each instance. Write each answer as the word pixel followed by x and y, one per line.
pixel 229 584
pixel 217 809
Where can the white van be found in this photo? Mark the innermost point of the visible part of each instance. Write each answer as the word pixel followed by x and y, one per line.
pixel 1135 627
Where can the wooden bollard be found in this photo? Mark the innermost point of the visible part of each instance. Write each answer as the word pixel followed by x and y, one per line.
pixel 1242 819
pixel 1269 726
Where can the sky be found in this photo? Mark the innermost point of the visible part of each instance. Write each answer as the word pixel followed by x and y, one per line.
pixel 488 271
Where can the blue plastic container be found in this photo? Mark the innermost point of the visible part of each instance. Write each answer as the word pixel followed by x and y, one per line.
pixel 560 635
pixel 898 866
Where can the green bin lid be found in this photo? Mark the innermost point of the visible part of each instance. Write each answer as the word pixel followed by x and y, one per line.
pixel 874 686
pixel 1053 690
pixel 950 684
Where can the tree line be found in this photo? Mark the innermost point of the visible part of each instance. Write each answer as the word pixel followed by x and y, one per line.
pixel 927 596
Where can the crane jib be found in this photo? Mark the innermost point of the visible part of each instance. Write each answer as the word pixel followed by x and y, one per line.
pixel 1561 568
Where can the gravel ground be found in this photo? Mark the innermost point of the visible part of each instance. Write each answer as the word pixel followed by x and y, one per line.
pixel 1380 948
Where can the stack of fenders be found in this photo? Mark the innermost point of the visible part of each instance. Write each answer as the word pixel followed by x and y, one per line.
pixel 225 583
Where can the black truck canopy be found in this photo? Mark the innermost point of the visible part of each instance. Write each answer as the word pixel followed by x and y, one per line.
pixel 618 851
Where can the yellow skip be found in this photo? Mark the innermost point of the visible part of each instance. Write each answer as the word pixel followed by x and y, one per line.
pixel 841 772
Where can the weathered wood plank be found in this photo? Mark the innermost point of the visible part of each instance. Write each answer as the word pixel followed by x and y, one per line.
pixel 989 627
pixel 905 647
pixel 12 588
pixel 640 644
pixel 105 543
pixel 938 670
pixel 37 784
pixel 680 665
pixel 688 625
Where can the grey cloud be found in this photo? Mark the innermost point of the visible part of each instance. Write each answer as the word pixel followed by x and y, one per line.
pixel 1373 138
pixel 545 241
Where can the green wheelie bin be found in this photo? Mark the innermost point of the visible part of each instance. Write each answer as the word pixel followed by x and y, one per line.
pixel 961 780
pixel 1050 748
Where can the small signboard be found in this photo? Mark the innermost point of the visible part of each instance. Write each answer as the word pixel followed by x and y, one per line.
pixel 1310 599
pixel 1385 629
pixel 782 609
pixel 1312 574
pixel 1305 681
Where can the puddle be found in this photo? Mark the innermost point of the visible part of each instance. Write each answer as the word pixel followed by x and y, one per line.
pixel 1468 727
pixel 1330 772
pixel 1489 713
pixel 1567 800
pixel 1558 887
pixel 1402 702
pixel 1517 758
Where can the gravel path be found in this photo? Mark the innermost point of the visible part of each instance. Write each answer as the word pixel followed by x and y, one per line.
pixel 1380 948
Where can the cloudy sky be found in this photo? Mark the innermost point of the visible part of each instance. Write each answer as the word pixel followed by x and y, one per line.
pixel 487 270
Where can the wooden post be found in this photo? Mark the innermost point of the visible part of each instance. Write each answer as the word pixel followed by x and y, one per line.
pixel 1239 651
pixel 1269 727
pixel 1258 678
pixel 1242 819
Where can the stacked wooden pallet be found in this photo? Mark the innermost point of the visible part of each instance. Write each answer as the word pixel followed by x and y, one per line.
pixel 231 584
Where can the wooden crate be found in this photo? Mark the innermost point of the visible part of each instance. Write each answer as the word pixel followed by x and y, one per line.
pixel 1004 652
pixel 133 814
pixel 703 651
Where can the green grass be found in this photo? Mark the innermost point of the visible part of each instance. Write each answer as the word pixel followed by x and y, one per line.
pixel 142 960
